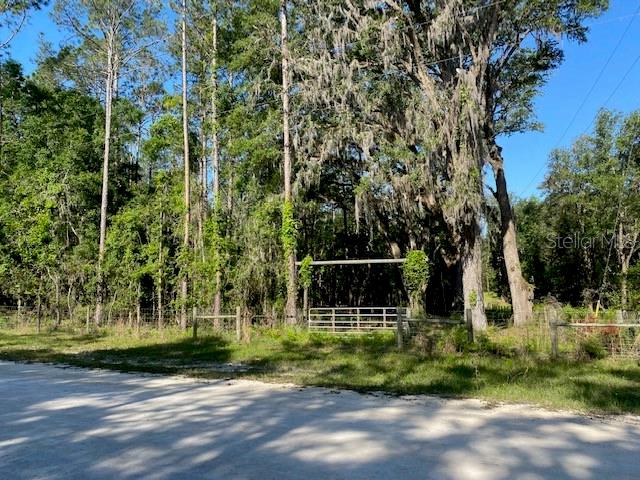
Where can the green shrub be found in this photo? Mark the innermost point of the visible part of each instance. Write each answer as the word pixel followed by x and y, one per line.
pixel 590 347
pixel 454 340
pixel 491 343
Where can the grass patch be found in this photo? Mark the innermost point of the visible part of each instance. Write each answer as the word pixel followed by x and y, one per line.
pixel 362 363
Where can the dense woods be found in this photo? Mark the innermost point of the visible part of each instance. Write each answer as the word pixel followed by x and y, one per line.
pixel 167 157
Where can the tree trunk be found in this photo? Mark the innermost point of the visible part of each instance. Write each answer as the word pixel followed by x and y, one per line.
pixel 305 302
pixel 138 308
pixel 292 290
pixel 161 271
pixel 472 283
pixel 217 300
pixel 58 313
pixel 39 308
pixel 624 295
pixel 230 181
pixel 201 203
pixel 159 306
pixel 519 288
pixel 215 160
pixel 187 173
pixel 105 180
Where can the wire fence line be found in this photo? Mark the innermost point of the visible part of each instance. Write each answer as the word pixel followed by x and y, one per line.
pixel 553 331
pixel 81 318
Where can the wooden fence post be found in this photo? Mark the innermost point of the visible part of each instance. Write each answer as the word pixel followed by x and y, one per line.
pixel 399 327
pixel 194 316
pixel 246 327
pixel 384 317
pixel 553 329
pixel 238 324
pixel 468 320
pixel 333 320
pixel 305 304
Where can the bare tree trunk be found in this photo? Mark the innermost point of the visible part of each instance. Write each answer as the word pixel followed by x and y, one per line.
pixel 472 283
pixel 69 307
pixel 160 273
pixel 292 290
pixel 624 292
pixel 521 293
pixel 202 199
pixel 138 308
pixel 217 301
pixel 230 187
pixel 58 313
pixel 305 302
pixel 187 173
pixel 105 179
pixel 39 307
pixel 160 307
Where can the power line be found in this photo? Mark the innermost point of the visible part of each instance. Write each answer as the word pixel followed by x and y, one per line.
pixel 615 90
pixel 595 82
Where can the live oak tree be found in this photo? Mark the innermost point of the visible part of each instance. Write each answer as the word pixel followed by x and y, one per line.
pixel 419 160
pixel 473 66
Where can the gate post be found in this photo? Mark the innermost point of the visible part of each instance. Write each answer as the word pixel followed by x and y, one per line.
pixel 469 323
pixel 238 324
pixel 553 330
pixel 194 315
pixel 399 327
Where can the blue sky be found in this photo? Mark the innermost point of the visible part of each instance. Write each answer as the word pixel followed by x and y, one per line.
pixel 525 154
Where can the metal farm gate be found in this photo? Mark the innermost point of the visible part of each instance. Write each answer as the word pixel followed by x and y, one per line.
pixel 355 319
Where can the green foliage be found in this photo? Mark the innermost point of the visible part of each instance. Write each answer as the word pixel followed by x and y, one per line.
pixel 415 271
pixel 305 272
pixel 289 229
pixel 586 222
pixel 590 347
pixel 473 298
pixel 454 340
pixel 372 169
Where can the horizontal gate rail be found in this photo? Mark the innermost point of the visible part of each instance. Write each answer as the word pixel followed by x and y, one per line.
pixel 354 319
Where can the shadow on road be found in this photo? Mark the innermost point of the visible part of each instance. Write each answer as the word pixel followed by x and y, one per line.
pixel 71 423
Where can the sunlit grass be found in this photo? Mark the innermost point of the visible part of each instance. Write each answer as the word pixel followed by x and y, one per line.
pixel 363 363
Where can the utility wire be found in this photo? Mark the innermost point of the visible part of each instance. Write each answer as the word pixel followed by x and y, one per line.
pixel 595 82
pixel 615 90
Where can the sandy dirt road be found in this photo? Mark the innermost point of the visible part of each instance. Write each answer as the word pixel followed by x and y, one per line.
pixel 69 423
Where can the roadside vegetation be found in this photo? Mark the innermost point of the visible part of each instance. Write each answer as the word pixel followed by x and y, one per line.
pixel 500 367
